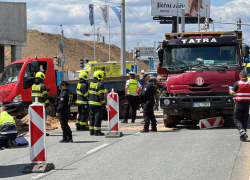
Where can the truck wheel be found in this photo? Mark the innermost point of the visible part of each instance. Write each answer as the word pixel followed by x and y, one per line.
pixel 52 112
pixel 229 120
pixel 169 121
pixel 122 109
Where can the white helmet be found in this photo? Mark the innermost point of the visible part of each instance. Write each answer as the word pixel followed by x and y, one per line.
pixel 142 71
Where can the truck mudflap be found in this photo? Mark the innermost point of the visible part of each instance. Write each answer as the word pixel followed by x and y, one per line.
pixel 179 102
pixel 17 109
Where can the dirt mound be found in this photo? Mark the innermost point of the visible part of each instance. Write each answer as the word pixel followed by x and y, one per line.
pixel 51 122
pixel 46 44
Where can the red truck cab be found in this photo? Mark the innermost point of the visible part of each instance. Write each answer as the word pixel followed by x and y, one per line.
pixel 199 70
pixel 17 79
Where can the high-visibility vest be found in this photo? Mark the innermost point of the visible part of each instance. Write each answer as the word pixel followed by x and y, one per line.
pixel 243 93
pixel 133 85
pixel 36 91
pixel 7 120
pixel 82 93
pixel 96 94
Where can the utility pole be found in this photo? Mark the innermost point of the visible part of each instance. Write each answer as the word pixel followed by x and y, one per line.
pixel 61 46
pixel 177 16
pixel 199 15
pixel 123 39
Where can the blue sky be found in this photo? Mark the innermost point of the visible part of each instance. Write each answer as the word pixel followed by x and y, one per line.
pixel 47 15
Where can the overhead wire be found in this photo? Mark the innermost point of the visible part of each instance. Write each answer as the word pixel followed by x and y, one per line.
pixel 143 23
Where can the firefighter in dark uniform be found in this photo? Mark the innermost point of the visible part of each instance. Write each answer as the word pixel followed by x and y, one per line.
pixel 241 93
pixel 96 104
pixel 63 111
pixel 82 101
pixel 147 95
pixel 131 87
pixel 39 90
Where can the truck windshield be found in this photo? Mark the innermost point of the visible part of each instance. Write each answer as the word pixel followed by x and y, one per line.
pixel 11 73
pixel 200 55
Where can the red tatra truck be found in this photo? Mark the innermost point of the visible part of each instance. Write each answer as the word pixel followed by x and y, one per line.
pixel 195 73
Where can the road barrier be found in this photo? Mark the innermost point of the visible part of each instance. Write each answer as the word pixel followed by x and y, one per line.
pixel 113 115
pixel 211 123
pixel 37 138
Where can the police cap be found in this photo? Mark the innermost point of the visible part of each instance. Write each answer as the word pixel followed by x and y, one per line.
pixel 63 83
pixel 145 75
pixel 132 73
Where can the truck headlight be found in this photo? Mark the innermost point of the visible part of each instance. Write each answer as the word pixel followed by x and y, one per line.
pixel 166 102
pixel 17 99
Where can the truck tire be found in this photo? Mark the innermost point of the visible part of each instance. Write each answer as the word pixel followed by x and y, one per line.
pixel 51 113
pixel 169 121
pixel 229 120
pixel 122 109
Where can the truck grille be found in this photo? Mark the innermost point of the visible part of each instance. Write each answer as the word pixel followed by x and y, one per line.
pixel 200 89
pixel 195 85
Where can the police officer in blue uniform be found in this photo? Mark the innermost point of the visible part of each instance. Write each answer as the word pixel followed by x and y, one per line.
pixel 63 111
pixel 147 95
pixel 241 93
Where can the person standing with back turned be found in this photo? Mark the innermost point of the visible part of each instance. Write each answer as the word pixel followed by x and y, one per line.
pixel 241 93
pixel 96 104
pixel 82 101
pixel 39 90
pixel 131 87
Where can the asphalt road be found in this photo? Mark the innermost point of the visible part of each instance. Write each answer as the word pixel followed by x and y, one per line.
pixel 182 153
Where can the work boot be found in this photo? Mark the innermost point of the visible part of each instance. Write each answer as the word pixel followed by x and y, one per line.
pixel 8 144
pixel 99 133
pixel 84 128
pixel 245 136
pixel 124 121
pixel 47 134
pixel 78 129
pixel 70 140
pixel 153 129
pixel 92 132
pixel 133 121
pixel 63 141
pixel 144 131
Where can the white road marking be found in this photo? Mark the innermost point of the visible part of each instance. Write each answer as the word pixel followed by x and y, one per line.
pixel 38 176
pixel 137 133
pixel 97 148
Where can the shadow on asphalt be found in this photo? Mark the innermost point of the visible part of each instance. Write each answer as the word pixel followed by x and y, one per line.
pixel 8 171
pixel 85 141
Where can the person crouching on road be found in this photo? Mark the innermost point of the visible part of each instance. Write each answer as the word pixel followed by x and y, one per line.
pixel 7 128
pixel 63 111
pixel 96 104
pixel 82 102
pixel 147 95
pixel 39 90
pixel 241 91
pixel 131 87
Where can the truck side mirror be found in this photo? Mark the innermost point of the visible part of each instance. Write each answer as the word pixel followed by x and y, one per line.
pixel 245 49
pixel 36 67
pixel 160 55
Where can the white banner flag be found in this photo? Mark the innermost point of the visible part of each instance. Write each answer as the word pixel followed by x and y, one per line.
pixel 104 10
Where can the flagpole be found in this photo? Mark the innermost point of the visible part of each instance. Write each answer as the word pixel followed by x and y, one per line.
pixel 109 33
pixel 94 28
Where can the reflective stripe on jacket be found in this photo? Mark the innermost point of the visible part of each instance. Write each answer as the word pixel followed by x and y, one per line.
pixel 82 93
pixel 7 123
pixel 40 91
pixel 96 94
pixel 243 93
pixel 133 85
